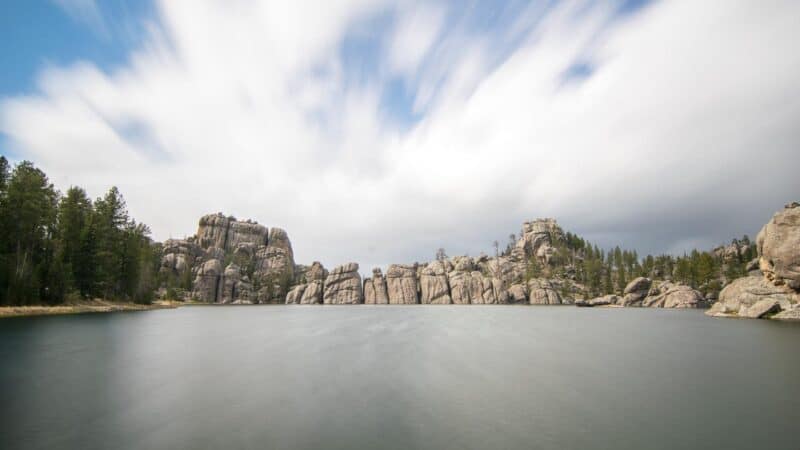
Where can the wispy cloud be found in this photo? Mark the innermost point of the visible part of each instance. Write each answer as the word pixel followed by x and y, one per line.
pixel 86 12
pixel 249 107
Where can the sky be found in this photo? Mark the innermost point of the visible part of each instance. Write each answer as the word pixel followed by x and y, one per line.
pixel 379 131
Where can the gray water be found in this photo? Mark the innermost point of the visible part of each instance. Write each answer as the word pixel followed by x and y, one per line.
pixel 494 377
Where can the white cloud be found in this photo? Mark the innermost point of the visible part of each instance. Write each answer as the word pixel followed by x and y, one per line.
pixel 685 131
pixel 415 33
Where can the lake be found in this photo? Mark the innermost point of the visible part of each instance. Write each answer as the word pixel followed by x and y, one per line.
pixel 398 377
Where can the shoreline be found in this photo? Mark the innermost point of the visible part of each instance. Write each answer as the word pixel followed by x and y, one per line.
pixel 87 307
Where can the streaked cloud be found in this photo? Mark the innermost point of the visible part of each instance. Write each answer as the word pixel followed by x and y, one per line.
pixel 672 125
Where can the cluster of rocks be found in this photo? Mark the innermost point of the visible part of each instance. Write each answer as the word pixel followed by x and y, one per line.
pixel 460 280
pixel 774 291
pixel 644 292
pixel 231 261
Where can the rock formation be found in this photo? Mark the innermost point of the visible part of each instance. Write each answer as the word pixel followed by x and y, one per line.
pixel 206 282
pixel 743 293
pixel 343 286
pixel 636 291
pixel 232 261
pixel 375 290
pixel 433 283
pixel 260 264
pixel 537 237
pixel 179 255
pixel 778 245
pixel 309 287
pixel 402 286
pixel 671 295
pixel 776 293
pixel 467 283
pixel 542 292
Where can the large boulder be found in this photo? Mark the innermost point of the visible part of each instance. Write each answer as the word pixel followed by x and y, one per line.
pixel 636 291
pixel 778 245
pixel 401 283
pixel 375 291
pixel 433 285
pixel 543 292
pixel 761 308
pixel 671 295
pixel 743 294
pixel 343 286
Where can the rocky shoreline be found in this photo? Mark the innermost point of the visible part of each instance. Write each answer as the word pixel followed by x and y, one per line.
pixel 242 262
pixel 773 290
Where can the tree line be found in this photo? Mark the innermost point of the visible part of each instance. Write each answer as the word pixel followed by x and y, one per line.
pixel 604 272
pixel 58 247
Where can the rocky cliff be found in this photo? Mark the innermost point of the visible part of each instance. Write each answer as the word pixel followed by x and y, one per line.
pixel 231 261
pixel 775 291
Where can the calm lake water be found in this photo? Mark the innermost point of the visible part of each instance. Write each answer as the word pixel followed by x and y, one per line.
pixel 435 377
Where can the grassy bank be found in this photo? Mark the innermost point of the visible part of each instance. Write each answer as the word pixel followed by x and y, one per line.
pixel 89 306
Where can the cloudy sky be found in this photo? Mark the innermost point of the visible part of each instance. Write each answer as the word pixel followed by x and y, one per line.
pixel 377 131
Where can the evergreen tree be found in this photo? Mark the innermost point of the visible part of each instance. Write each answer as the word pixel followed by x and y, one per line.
pixel 110 219
pixel 73 219
pixel 28 215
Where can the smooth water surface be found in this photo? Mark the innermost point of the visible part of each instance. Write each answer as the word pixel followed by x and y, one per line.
pixel 370 377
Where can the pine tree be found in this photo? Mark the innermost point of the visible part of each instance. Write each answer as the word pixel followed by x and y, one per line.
pixel 28 215
pixel 109 219
pixel 73 218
